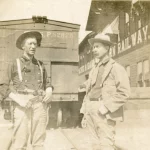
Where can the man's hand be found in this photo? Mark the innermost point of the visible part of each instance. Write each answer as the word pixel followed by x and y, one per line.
pixel 103 110
pixel 21 99
pixel 48 95
pixel 23 103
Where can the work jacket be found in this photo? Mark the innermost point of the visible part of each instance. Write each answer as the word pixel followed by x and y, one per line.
pixel 115 90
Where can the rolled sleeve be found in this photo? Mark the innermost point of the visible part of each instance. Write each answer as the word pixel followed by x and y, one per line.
pixel 46 80
pixel 5 81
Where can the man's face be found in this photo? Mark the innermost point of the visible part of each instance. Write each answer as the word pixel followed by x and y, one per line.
pixel 29 46
pixel 99 50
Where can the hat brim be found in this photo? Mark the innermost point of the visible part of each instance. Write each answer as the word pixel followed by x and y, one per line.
pixel 25 35
pixel 94 40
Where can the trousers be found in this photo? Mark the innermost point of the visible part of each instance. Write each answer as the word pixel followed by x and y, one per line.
pixel 102 129
pixel 30 127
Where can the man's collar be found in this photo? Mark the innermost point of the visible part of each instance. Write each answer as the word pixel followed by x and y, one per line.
pixel 24 58
pixel 103 61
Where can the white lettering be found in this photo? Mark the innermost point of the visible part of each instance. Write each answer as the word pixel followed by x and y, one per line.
pixel 58 35
pixel 42 34
pixel 62 35
pixel 122 43
pixel 136 38
pixel 133 37
pixel 127 45
pixel 139 39
pixel 54 34
pixel 49 34
pixel 145 32
pixel 65 35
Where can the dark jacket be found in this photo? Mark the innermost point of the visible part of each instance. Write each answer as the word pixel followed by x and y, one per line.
pixel 31 75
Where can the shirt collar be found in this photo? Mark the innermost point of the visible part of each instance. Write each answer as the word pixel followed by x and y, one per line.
pixel 27 60
pixel 104 61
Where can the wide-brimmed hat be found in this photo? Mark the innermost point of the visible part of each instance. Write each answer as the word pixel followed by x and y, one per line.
pixel 27 34
pixel 101 38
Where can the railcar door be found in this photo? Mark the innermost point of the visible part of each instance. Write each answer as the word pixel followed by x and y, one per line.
pixel 64 78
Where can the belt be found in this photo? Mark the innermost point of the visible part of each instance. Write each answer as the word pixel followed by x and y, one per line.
pixel 38 95
pixel 35 93
pixel 25 92
pixel 94 99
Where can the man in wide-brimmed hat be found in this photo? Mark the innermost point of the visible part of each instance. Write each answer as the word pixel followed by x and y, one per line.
pixel 107 91
pixel 31 93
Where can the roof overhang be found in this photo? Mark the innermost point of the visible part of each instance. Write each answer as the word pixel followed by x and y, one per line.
pixel 39 20
pixel 85 41
pixel 103 12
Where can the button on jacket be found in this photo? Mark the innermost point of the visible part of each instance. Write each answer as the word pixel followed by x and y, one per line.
pixel 30 123
pixel 31 74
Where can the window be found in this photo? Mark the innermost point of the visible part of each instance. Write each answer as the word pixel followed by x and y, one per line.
pixel 139 68
pixel 146 72
pixel 143 73
pixel 139 23
pixel 147 83
pixel 145 66
pixel 139 73
pixel 127 29
pixel 81 62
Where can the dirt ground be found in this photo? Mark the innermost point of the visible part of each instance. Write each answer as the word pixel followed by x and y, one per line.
pixel 130 135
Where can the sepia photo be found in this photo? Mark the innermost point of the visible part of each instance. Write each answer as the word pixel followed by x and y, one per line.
pixel 74 75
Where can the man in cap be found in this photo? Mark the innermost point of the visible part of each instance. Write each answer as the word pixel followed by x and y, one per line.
pixel 31 92
pixel 107 91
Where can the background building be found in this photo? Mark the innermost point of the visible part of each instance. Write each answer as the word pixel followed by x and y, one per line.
pixel 128 24
pixel 59 53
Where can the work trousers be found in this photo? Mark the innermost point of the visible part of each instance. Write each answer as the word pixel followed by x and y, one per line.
pixel 102 129
pixel 29 127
